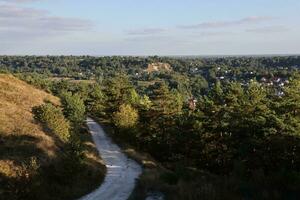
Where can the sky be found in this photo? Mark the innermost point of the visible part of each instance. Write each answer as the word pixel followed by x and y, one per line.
pixel 144 27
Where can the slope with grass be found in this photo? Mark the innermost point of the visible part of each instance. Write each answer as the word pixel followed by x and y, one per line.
pixel 33 161
pixel 19 132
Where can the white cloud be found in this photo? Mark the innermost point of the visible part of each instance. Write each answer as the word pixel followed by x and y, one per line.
pixel 229 23
pixel 18 22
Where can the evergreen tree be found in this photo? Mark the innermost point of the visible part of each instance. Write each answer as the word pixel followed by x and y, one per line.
pixel 118 91
pixel 165 102
pixel 74 108
pixel 96 101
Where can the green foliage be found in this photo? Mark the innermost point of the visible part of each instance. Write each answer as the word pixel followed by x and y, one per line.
pixel 199 85
pixel 145 102
pixel 132 97
pixel 96 101
pixel 38 80
pixel 240 127
pixel 165 102
pixel 52 117
pixel 291 99
pixel 74 107
pixel 126 117
pixel 119 91
pixel 232 123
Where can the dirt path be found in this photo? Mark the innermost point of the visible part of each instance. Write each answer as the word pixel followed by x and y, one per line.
pixel 122 172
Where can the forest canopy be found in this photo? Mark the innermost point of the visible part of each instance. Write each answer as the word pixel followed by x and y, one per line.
pixel 237 118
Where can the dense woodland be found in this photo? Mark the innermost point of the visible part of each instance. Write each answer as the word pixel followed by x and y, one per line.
pixel 234 118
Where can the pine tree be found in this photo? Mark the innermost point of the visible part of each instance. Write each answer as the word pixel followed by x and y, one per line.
pixel 165 102
pixel 96 101
pixel 74 108
pixel 118 91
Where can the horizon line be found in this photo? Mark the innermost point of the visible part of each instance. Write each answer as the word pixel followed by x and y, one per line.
pixel 154 55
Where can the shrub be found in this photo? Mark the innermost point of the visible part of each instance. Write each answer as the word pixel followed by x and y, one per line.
pixel 126 117
pixel 52 117
pixel 74 108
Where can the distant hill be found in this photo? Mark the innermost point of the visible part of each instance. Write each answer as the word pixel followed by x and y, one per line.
pixel 154 67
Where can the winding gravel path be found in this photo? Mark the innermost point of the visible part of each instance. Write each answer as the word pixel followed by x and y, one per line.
pixel 122 172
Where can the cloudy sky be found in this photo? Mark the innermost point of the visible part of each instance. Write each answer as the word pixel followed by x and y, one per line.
pixel 144 27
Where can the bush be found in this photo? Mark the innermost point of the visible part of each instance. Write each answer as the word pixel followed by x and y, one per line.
pixel 52 117
pixel 74 108
pixel 126 117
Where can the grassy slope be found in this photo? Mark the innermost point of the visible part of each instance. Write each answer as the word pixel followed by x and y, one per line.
pixel 26 146
pixel 19 133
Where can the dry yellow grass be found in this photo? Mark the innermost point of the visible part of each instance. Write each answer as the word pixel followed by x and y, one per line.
pixel 26 146
pixel 17 126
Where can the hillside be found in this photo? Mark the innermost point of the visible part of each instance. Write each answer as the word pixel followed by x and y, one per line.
pixel 34 162
pixel 19 132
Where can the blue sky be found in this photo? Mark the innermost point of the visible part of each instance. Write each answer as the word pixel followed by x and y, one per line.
pixel 143 27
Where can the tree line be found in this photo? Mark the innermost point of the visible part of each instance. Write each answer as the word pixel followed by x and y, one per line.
pixel 234 131
pixel 244 132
